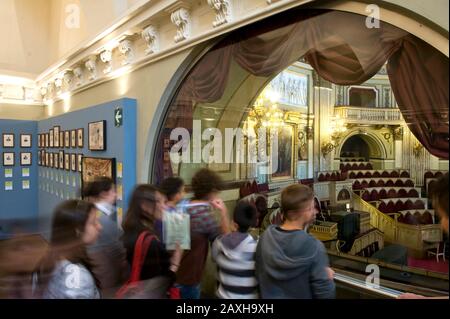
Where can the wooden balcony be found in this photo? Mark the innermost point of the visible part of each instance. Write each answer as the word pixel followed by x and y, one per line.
pixel 369 115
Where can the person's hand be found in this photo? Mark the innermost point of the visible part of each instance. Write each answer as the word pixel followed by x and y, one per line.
pixel 410 296
pixel 176 257
pixel 218 203
pixel 330 273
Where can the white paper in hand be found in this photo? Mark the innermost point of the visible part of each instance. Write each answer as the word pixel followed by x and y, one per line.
pixel 176 229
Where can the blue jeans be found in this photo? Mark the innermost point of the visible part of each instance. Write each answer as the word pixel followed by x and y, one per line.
pixel 189 292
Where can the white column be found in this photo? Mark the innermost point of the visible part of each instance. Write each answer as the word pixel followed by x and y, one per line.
pixel 398 148
pixel 310 158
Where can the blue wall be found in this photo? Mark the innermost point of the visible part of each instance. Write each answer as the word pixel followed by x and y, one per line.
pixel 32 208
pixel 58 184
pixel 19 206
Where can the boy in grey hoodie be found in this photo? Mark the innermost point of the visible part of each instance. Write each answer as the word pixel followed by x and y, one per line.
pixel 290 263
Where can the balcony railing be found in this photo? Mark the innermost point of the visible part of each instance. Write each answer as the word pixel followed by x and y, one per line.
pixel 369 115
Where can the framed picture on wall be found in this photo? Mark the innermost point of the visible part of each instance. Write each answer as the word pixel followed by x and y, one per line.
pixel 73 138
pixel 25 158
pixel 43 158
pixel 25 140
pixel 80 137
pixel 73 162
pixel 79 162
pixel 39 140
pixel 285 168
pixel 55 160
pixel 97 136
pixel 56 130
pixel 8 159
pixel 47 159
pixel 51 139
pixel 67 139
pixel 51 163
pixel 61 139
pixel 66 161
pixel 93 167
pixel 61 160
pixel 8 140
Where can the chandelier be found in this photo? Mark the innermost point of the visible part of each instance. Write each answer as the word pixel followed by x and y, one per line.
pixel 265 110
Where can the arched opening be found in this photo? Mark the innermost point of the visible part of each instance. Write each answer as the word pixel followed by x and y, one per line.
pixel 355 146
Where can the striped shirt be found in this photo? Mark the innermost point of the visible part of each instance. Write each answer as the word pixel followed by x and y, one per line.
pixel 235 257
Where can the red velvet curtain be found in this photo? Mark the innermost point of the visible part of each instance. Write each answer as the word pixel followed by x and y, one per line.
pixel 342 50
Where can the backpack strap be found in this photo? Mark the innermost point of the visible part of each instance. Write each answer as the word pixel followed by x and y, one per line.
pixel 140 252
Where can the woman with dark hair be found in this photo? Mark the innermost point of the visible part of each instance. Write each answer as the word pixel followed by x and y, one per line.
pixel 65 272
pixel 145 215
pixel 107 253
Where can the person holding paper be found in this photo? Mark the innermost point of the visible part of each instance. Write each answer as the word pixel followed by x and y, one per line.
pixel 205 227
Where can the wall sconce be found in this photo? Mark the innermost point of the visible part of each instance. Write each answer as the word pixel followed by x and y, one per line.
pixel 337 128
pixel 417 149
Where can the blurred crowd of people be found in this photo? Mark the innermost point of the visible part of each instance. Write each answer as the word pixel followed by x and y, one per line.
pixel 90 256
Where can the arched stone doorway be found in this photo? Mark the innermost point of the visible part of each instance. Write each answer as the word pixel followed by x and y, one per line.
pixel 366 145
pixel 355 146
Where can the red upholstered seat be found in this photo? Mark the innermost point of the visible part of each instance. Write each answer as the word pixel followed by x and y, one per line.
pixel 398 183
pixel 366 196
pixel 354 166
pixel 427 175
pixel 352 175
pixel 410 219
pixel 362 166
pixel 372 183
pixel 262 188
pixel 321 177
pixel 382 207
pixel 374 195
pixel 364 184
pixel 389 183
pixel 402 193
pixel 395 174
pixel 438 174
pixel 418 204
pixel 382 193
pixel 426 218
pixel 401 219
pixel 343 176
pixel 409 205
pixel 327 176
pixel 398 206
pixel 392 193
pixel 409 183
pixel 369 166
pixel 356 185
pixel 404 174
pixel 390 208
pixel 368 174
pixel 254 187
pixel 380 183
pixel 376 174
pixel 359 175
pixel 385 174
pixel 413 193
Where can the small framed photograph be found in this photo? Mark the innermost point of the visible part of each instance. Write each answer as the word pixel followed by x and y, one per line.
pixel 80 137
pixel 51 139
pixel 73 162
pixel 8 159
pixel 56 160
pixel 73 138
pixel 67 139
pixel 47 139
pixel 47 159
pixel 56 130
pixel 97 136
pixel 51 160
pixel 79 161
pixel 25 140
pixel 8 140
pixel 66 161
pixel 25 158
pixel 61 139
pixel 61 160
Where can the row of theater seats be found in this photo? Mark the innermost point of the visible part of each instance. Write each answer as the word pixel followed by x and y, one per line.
pixel 352 159
pixel 355 166
pixel 377 173
pixel 374 194
pixel 382 182
pixel 394 205
pixel 416 218
pixel 432 174
pixel 331 176
pixel 252 188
